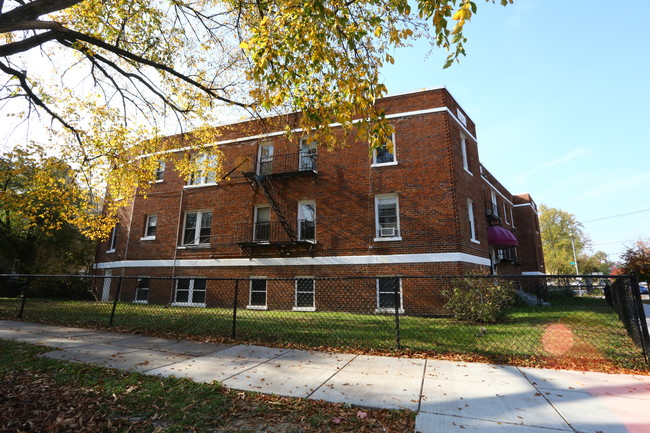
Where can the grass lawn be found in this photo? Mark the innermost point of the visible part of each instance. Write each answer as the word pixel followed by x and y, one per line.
pixel 577 332
pixel 41 394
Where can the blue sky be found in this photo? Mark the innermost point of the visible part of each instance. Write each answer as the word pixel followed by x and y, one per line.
pixel 560 94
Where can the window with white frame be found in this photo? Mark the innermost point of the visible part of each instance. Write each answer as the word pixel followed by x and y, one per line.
pixel 472 224
pixel 305 291
pixel 205 174
pixel 307 220
pixel 142 291
pixel 150 227
pixel 387 216
pixel 386 153
pixel 512 219
pixel 262 224
pixel 196 230
pixel 257 293
pixel 461 117
pixel 505 213
pixel 463 148
pixel 190 292
pixel 308 154
pixel 112 241
pixel 160 171
pixel 389 294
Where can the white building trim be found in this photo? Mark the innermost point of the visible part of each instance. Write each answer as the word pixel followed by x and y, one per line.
pixel 527 204
pixel 296 130
pixel 302 261
pixel 495 189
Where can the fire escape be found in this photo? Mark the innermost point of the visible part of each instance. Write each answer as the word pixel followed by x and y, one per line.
pixel 285 234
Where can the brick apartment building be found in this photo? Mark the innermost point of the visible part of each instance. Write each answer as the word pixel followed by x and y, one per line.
pixel 294 210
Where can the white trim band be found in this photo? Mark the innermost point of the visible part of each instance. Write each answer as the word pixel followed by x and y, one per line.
pixel 296 130
pixel 302 261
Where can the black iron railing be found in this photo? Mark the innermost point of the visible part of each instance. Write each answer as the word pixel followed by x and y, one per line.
pixel 300 162
pixel 274 232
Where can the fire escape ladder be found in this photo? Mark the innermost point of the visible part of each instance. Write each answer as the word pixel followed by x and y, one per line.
pixel 278 207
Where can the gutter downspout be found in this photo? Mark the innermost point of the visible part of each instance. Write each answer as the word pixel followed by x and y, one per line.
pixel 128 233
pixel 178 231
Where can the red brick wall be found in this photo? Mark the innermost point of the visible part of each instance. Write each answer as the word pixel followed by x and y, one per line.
pixel 530 251
pixel 429 179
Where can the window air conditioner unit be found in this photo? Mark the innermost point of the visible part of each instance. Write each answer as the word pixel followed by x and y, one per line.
pixel 387 231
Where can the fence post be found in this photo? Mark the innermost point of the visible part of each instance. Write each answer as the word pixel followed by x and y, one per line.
pixel 23 296
pixel 641 322
pixel 117 296
pixel 234 310
pixel 396 284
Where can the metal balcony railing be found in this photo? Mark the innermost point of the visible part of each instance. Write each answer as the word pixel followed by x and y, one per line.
pixel 288 163
pixel 263 233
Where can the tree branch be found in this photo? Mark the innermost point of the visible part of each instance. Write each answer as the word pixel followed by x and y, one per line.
pixel 61 32
pixel 26 44
pixel 33 97
pixel 31 11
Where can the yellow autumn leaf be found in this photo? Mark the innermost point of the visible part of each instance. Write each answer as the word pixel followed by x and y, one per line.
pixel 462 14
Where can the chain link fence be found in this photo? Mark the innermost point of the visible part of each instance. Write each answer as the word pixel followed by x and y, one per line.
pixel 543 320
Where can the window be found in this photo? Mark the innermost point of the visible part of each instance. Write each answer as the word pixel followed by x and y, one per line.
pixel 197 228
pixel 262 225
pixel 507 254
pixel 258 293
pixel 461 117
pixel 113 239
pixel 512 219
pixel 387 217
pixel 150 227
pixel 472 225
pixel 386 299
pixel 190 292
pixel 307 221
pixel 305 290
pixel 495 206
pixel 160 171
pixel 505 213
pixel 265 159
pixel 142 291
pixel 203 175
pixel 308 154
pixel 385 154
pixel 463 148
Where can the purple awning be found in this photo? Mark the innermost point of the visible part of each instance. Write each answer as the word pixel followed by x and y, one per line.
pixel 498 236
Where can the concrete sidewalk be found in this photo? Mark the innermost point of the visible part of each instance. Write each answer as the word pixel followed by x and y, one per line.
pixel 448 396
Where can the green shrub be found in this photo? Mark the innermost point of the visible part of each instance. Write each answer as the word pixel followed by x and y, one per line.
pixel 561 293
pixel 482 300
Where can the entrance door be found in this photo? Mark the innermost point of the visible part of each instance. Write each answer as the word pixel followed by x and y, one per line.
pixel 262 230
pixel 308 152
pixel 265 159
pixel 106 289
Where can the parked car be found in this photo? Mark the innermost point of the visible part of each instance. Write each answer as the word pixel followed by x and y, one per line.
pixel 643 287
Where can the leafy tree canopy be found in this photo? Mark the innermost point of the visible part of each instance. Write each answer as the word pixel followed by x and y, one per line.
pixel 40 209
pixel 108 73
pixel 558 229
pixel 636 259
pixel 597 262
